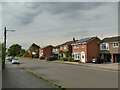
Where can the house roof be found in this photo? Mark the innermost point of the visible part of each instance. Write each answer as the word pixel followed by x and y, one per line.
pixel 111 39
pixel 66 43
pixel 84 40
pixel 48 46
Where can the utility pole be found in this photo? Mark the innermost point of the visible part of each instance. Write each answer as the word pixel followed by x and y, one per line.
pixel 4 48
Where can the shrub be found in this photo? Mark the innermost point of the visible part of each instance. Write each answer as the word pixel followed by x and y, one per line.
pixel 35 56
pixel 61 59
pixel 65 59
pixel 49 59
pixel 70 59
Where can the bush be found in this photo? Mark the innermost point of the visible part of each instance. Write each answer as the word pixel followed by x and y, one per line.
pixel 61 59
pixel 35 56
pixel 65 59
pixel 70 59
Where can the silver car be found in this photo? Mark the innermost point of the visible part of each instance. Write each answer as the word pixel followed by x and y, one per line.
pixel 15 61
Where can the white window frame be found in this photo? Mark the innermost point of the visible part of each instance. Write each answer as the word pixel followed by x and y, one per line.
pixel 106 46
pixel 76 56
pixel 61 48
pixel 65 46
pixel 115 44
pixel 75 46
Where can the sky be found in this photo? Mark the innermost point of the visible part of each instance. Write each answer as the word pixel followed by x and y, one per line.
pixel 53 23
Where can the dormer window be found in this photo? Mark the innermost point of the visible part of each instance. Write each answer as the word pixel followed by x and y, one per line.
pixel 115 44
pixel 104 46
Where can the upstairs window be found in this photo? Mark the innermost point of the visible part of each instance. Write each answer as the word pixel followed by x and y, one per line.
pixel 104 46
pixel 115 44
pixel 65 47
pixel 61 48
pixel 75 47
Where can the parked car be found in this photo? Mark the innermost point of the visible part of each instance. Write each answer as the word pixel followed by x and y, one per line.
pixel 98 60
pixel 42 57
pixel 9 58
pixel 15 61
pixel 94 60
pixel 54 57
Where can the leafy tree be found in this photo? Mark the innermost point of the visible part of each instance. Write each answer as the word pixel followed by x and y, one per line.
pixel 0 49
pixel 26 54
pixel 22 52
pixel 14 50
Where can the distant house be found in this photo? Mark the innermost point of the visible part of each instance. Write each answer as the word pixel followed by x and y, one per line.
pixel 34 50
pixel 56 50
pixel 66 48
pixel 110 49
pixel 46 51
pixel 85 49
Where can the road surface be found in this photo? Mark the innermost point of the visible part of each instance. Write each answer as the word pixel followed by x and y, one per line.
pixel 73 76
pixel 15 77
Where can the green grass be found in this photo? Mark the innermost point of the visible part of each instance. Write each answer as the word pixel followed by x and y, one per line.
pixel 57 61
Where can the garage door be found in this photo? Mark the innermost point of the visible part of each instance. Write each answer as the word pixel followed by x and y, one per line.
pixel 118 57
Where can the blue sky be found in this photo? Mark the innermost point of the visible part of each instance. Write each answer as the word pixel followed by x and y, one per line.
pixel 54 23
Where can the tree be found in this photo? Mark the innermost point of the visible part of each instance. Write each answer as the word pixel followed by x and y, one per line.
pixel 22 52
pixel 14 50
pixel 0 49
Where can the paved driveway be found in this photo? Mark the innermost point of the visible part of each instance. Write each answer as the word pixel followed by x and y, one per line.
pixel 73 76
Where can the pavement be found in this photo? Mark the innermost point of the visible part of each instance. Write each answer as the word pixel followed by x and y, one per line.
pixel 107 66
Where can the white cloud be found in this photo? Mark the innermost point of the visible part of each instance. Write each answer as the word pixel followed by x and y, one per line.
pixel 54 23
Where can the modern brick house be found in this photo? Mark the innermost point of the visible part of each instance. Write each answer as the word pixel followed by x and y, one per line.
pixel 47 51
pixel 66 48
pixel 56 50
pixel 110 49
pixel 85 49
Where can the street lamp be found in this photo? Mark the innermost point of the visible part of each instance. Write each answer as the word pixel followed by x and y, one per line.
pixel 4 47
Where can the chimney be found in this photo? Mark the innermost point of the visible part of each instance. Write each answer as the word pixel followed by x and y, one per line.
pixel 73 39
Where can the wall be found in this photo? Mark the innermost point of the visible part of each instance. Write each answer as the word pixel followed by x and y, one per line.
pixel 93 49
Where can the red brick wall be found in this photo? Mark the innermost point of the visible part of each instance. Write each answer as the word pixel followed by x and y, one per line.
pixel 80 49
pixel 93 49
pixel 47 51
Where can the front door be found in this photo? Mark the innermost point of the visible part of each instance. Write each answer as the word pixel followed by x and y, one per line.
pixel 83 56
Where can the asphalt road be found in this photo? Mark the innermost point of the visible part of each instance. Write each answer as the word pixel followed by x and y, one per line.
pixel 73 76
pixel 15 77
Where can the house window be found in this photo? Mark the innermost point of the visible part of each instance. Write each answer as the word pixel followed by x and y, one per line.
pixel 115 44
pixel 61 48
pixel 53 50
pixel 65 47
pixel 76 56
pixel 104 46
pixel 75 47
